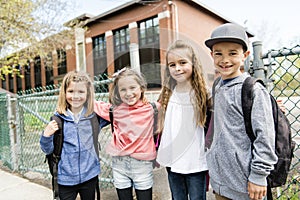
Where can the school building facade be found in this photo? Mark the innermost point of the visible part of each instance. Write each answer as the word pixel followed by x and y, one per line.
pixel 135 34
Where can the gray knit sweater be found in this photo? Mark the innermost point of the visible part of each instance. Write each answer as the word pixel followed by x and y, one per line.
pixel 231 161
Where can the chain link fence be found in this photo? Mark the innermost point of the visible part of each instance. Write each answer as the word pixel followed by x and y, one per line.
pixel 283 73
pixel 24 117
pixel 5 150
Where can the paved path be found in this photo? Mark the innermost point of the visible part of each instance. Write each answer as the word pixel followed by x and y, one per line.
pixel 14 187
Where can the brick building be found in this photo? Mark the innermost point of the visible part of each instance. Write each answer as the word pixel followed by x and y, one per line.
pixel 136 34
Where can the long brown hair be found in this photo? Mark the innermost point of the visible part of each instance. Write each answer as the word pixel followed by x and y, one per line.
pixel 200 94
pixel 75 76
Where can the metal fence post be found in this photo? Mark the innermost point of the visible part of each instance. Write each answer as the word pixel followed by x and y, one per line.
pixel 12 132
pixel 258 64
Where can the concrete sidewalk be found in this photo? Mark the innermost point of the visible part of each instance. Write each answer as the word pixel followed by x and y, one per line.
pixel 13 187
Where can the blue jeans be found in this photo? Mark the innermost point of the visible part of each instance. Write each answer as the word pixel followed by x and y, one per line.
pixel 187 186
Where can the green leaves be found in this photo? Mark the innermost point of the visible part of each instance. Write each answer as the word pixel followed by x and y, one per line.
pixel 30 28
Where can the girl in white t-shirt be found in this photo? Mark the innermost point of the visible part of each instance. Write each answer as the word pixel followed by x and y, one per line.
pixel 183 99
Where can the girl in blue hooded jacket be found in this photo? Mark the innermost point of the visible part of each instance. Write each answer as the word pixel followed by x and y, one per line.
pixel 79 166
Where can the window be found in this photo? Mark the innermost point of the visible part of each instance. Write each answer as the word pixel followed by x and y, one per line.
pixel 150 51
pixel 61 62
pixel 19 83
pixel 27 76
pixel 121 48
pixel 99 55
pixel 11 83
pixel 37 72
pixel 18 78
pixel 149 31
pixel 48 63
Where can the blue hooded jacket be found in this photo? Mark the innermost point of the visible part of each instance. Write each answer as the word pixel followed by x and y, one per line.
pixel 79 161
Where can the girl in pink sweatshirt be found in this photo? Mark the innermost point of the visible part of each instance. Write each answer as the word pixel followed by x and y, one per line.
pixel 132 147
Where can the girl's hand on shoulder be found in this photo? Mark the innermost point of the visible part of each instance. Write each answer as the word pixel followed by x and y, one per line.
pixel 145 101
pixel 281 105
pixel 50 128
pixel 158 104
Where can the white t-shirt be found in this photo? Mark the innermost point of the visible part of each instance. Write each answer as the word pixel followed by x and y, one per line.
pixel 182 143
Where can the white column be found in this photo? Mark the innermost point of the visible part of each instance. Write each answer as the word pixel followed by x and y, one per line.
pixel 80 49
pixel 134 57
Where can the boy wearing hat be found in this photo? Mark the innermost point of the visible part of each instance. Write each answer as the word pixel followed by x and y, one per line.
pixel 238 170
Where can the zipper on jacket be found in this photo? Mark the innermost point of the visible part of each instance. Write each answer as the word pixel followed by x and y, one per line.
pixel 79 147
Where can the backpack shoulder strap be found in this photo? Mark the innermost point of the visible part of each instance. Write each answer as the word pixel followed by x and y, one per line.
pixel 95 120
pixel 111 118
pixel 247 103
pixel 58 143
pixel 156 136
pixel 58 138
pixel 155 117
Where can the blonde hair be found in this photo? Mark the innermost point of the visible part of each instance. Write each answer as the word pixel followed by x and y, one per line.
pixel 200 94
pixel 75 76
pixel 114 95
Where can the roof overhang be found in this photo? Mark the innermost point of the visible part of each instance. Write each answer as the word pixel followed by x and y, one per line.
pixel 89 19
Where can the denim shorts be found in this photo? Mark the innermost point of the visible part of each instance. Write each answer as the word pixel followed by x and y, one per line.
pixel 128 171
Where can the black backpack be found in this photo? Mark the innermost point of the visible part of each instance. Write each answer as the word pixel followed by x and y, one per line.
pixel 284 145
pixel 53 158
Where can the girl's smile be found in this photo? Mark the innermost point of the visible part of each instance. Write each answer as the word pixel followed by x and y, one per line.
pixel 76 96
pixel 180 66
pixel 129 90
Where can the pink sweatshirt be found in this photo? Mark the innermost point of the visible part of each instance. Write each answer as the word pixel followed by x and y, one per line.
pixel 133 129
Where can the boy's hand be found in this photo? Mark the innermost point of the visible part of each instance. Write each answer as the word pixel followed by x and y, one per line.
pixel 256 192
pixel 50 128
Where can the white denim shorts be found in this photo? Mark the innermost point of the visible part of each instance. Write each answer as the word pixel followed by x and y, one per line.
pixel 128 171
